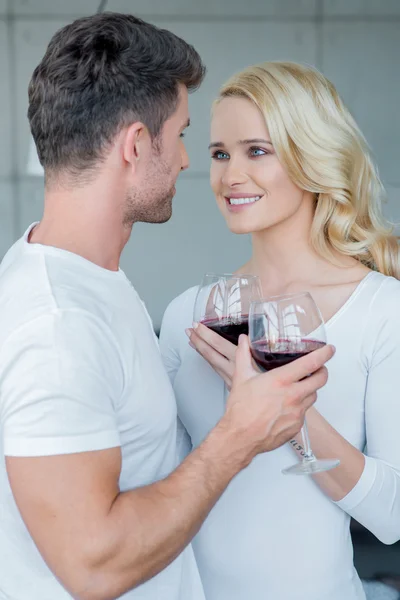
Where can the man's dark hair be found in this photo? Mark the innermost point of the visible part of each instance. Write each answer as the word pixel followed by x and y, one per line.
pixel 100 74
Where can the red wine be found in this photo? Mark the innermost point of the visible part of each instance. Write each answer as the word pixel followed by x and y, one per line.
pixel 270 356
pixel 229 328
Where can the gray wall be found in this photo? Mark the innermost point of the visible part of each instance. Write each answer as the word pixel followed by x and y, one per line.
pixel 354 42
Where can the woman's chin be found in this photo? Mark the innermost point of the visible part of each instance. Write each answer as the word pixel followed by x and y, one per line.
pixel 242 225
pixel 240 228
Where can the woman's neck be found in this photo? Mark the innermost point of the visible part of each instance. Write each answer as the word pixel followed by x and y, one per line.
pixel 285 260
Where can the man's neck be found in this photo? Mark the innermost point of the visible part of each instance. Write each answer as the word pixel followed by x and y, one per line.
pixel 86 221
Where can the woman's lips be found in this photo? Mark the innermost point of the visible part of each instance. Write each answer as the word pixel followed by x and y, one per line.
pixel 239 203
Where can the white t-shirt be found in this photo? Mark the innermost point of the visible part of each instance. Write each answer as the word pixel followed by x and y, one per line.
pixel 80 370
pixel 279 537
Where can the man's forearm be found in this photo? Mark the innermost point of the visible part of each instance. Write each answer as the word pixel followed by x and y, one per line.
pixel 148 528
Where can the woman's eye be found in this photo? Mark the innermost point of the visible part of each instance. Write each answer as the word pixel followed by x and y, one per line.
pixel 219 155
pixel 258 152
pixel 182 135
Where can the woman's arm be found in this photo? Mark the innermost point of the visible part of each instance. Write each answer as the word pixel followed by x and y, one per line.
pixel 375 500
pixel 366 486
pixel 326 442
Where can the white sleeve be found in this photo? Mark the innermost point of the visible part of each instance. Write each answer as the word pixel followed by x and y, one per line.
pixel 170 336
pixel 60 380
pixel 169 340
pixel 375 500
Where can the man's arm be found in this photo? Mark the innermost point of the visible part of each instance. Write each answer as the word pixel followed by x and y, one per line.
pixel 100 542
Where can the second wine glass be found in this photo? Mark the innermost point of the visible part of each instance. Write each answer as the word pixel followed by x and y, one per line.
pixel 282 329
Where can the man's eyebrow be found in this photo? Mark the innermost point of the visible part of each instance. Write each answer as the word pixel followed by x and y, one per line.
pixel 241 142
pixel 187 124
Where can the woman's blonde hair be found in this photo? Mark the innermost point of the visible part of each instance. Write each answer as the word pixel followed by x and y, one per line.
pixel 324 152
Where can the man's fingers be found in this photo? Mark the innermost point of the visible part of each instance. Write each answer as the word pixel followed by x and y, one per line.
pixel 216 341
pixel 302 367
pixel 309 401
pixel 244 369
pixel 313 383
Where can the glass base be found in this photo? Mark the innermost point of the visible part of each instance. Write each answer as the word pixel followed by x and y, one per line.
pixel 311 466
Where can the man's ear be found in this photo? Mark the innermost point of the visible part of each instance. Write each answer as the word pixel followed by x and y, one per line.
pixel 135 144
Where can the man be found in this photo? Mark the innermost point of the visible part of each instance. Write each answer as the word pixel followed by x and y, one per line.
pixel 91 505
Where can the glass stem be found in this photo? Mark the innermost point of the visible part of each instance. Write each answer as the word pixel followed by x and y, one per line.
pixel 309 455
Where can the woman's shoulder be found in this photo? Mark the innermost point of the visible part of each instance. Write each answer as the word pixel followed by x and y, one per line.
pixel 177 317
pixel 381 318
pixel 380 305
pixel 384 290
pixel 181 308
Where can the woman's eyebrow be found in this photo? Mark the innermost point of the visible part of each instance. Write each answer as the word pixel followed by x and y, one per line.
pixel 241 142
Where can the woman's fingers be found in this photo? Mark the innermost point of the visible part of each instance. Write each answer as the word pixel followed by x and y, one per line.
pixel 215 341
pixel 219 362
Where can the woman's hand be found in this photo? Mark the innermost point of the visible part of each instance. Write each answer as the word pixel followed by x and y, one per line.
pixel 217 351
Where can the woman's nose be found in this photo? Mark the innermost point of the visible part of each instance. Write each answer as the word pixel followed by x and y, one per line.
pixel 234 174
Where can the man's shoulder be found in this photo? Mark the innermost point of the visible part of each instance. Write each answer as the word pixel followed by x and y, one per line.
pixel 33 302
pixel 24 291
pixel 40 281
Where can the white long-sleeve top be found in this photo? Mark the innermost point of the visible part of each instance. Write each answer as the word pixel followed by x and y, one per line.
pixel 275 537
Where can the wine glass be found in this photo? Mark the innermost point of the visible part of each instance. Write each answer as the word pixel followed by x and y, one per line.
pixel 282 329
pixel 223 303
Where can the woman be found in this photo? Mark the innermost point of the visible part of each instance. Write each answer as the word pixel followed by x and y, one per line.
pixel 290 167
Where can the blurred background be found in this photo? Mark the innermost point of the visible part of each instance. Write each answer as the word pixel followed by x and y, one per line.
pixel 356 43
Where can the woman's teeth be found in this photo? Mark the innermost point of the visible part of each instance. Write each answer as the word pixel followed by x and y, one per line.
pixel 244 200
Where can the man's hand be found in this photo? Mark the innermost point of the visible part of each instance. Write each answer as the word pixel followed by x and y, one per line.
pixel 268 409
